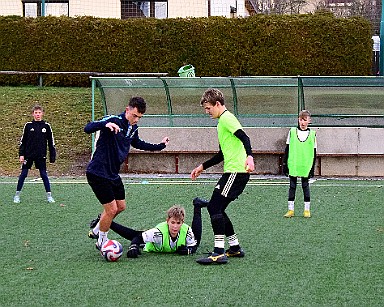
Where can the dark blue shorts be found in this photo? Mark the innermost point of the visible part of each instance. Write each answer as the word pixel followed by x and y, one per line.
pixel 40 163
pixel 106 190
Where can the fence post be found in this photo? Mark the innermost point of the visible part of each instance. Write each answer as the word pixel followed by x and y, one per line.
pixel 235 107
pixel 169 101
pixel 40 78
pixel 93 111
pixel 381 57
pixel 300 94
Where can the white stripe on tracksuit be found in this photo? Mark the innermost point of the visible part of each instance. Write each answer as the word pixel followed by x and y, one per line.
pixel 228 184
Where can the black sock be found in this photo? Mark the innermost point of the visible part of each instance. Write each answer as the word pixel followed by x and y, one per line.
pixel 218 250
pixel 235 248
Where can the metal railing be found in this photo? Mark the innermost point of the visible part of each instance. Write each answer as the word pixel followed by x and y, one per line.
pixel 257 101
pixel 40 74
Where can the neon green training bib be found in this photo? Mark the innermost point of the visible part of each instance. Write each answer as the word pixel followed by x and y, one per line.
pixel 301 154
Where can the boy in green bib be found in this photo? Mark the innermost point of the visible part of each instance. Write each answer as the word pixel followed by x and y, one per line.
pixel 236 152
pixel 170 236
pixel 299 161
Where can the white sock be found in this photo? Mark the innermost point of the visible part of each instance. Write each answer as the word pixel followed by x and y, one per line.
pixel 233 240
pixel 96 229
pixel 307 205
pixel 291 205
pixel 219 241
pixel 103 237
pixel 49 194
pixel 17 193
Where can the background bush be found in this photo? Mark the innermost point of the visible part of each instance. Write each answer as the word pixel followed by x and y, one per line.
pixel 309 44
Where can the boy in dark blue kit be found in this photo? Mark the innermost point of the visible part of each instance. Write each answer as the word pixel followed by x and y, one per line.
pixel 117 134
pixel 37 134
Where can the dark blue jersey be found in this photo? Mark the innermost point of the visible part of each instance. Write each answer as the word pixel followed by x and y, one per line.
pixel 33 143
pixel 113 148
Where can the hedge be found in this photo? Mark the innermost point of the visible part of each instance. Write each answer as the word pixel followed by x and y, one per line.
pixel 307 44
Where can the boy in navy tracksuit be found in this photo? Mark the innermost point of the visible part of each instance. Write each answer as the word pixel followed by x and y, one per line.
pixel 37 134
pixel 117 135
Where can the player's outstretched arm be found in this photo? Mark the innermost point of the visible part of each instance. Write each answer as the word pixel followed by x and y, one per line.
pixel 197 171
pixel 143 145
pixel 165 140
pixel 92 127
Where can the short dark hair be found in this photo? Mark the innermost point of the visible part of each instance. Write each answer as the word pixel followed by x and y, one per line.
pixel 212 95
pixel 304 113
pixel 139 103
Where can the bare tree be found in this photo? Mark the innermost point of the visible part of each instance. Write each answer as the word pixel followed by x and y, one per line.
pixel 279 7
pixel 369 9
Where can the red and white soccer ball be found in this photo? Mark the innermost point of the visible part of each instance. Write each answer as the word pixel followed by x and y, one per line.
pixel 111 250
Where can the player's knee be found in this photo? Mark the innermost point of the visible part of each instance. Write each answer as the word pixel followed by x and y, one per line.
pixel 111 209
pixel 24 173
pixel 217 217
pixel 120 207
pixel 212 210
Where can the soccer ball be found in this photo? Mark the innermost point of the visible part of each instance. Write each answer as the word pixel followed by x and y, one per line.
pixel 111 250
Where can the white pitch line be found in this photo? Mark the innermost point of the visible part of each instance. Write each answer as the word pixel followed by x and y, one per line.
pixel 256 184
pixel 212 182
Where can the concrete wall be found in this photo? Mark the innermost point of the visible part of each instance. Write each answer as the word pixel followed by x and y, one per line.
pixel 341 151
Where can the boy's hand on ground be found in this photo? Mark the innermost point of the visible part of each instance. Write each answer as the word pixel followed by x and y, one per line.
pixel 133 251
pixel 183 250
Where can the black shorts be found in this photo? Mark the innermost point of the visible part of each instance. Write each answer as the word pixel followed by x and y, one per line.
pixel 106 190
pixel 40 163
pixel 231 185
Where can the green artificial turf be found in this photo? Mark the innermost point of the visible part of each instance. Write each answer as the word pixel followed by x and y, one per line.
pixel 334 258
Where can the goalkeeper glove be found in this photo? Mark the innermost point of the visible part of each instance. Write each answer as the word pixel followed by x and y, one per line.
pixel 133 251
pixel 184 250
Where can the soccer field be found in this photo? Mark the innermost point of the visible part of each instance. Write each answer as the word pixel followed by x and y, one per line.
pixel 334 258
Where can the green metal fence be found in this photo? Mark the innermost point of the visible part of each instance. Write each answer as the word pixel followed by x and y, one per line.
pixel 257 101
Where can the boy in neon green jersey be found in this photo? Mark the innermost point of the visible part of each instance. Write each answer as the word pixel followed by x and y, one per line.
pixel 236 152
pixel 299 161
pixel 170 236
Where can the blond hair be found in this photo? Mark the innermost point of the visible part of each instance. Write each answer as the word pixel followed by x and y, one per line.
pixel 176 212
pixel 211 96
